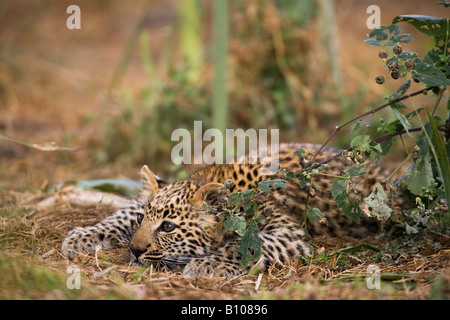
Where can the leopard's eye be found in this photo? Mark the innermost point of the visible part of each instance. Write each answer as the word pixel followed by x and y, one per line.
pixel 139 217
pixel 167 226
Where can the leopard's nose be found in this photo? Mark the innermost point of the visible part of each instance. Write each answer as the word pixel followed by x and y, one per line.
pixel 136 251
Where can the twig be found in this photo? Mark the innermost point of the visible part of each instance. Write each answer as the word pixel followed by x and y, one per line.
pixel 258 282
pixel 128 50
pixel 377 140
pixel 438 100
pixel 339 127
pixel 49 146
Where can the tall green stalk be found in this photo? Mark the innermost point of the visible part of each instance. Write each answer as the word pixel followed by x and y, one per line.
pixel 220 88
pixel 331 43
pixel 190 37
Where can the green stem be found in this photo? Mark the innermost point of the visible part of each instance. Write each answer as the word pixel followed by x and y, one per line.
pixel 332 176
pixel 307 207
pixel 220 31
pixel 400 166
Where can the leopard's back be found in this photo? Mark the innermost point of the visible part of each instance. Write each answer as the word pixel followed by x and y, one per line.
pixel 292 199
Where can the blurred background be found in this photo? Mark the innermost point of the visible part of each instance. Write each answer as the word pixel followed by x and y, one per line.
pixel 137 70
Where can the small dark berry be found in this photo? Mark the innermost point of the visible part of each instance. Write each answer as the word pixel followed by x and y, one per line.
pixel 395 65
pixel 395 75
pixel 383 54
pixel 379 79
pixel 222 200
pixel 409 64
pixel 223 191
pixel 229 184
pixel 260 200
pixel 397 49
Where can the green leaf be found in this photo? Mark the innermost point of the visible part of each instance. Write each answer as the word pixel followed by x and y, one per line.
pixel 314 214
pixel 431 26
pixel 356 171
pixel 398 106
pixel 290 175
pixel 386 145
pixel 361 143
pixel 379 33
pixel 247 194
pixel 302 181
pixel 405 38
pixel 430 75
pixel 352 210
pixel 444 3
pixel 250 246
pixel 339 187
pixel 442 156
pixel 260 217
pixel 403 120
pixel 431 58
pixel 421 175
pixel 250 208
pixel 373 42
pixel 300 153
pixel 355 126
pixel 396 126
pixel 266 185
pixel 376 147
pixel 395 29
pixel 358 248
pixel 234 199
pixel 404 87
pixel 235 223
pixel 390 33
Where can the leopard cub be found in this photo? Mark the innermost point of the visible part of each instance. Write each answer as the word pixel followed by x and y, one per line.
pixel 171 225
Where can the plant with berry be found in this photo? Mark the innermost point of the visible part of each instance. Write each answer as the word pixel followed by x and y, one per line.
pixel 426 184
pixel 427 181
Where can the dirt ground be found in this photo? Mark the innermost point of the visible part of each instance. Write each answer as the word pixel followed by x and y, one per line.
pixel 53 86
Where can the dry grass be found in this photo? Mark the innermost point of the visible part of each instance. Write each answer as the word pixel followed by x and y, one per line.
pixel 57 93
pixel 33 267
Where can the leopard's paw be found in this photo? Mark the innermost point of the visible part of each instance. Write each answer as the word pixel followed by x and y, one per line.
pixel 79 240
pixel 210 267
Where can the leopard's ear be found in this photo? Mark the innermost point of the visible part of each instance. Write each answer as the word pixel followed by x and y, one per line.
pixel 205 192
pixel 150 182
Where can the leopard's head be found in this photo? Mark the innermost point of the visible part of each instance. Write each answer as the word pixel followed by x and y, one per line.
pixel 176 225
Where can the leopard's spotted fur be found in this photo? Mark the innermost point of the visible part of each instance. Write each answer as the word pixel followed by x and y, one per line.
pixel 169 224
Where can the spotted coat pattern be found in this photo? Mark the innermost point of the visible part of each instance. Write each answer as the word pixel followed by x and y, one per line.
pixel 170 225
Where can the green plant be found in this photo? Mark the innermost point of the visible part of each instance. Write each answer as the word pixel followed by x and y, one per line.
pixel 240 214
pixel 427 182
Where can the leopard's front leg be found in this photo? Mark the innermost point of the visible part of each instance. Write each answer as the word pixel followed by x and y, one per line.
pixel 223 263
pixel 280 242
pixel 107 234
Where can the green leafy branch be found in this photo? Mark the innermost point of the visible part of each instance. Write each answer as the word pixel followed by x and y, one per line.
pixel 242 214
pixel 431 155
pixel 430 176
